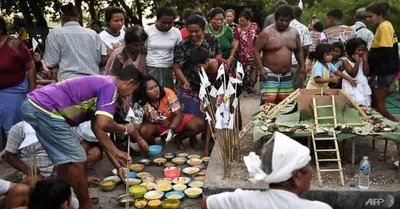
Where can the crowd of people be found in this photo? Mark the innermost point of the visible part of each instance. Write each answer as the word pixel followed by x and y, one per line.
pixel 72 105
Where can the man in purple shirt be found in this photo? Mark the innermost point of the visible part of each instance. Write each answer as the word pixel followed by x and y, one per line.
pixel 52 111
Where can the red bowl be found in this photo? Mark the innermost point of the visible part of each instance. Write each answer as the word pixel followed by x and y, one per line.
pixel 171 174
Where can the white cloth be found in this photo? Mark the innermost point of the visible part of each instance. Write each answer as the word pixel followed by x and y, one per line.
pixel 110 41
pixel 362 92
pixel 30 136
pixel 160 46
pixel 270 199
pixel 4 186
pixel 304 33
pixel 84 131
pixel 363 32
pixel 287 156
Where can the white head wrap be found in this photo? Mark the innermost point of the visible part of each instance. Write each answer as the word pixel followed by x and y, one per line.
pixel 287 156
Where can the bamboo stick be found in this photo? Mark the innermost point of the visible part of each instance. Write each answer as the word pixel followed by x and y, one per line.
pixel 127 175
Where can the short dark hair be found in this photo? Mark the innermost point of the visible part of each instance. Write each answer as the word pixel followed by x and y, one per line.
pixel 246 14
pixel 142 95
pixel 379 8
pixel 318 26
pixel 335 14
pixel 196 20
pixel 129 72
pixel 340 46
pixel 97 22
pixel 284 11
pixel 69 12
pixel 165 10
pixel 199 55
pixel 214 12
pixel 321 50
pixel 50 193
pixel 110 11
pixel 297 12
pixel 135 34
pixel 352 44
pixel 280 3
pixel 3 26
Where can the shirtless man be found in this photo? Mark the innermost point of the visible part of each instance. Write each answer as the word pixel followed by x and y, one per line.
pixel 277 42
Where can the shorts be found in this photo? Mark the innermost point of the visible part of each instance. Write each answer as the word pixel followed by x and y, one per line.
pixel 54 134
pixel 185 120
pixel 381 81
pixel 276 88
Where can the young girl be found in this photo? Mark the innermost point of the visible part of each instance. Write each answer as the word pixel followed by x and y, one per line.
pixel 337 54
pixel 320 74
pixel 356 66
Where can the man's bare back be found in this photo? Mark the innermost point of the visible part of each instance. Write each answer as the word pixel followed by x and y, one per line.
pixel 277 48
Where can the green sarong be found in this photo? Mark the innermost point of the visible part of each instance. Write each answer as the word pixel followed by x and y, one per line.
pixel 163 75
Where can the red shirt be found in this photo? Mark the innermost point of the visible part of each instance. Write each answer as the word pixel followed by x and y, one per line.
pixel 12 63
pixel 184 33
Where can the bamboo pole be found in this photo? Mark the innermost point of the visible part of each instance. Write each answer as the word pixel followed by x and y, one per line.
pixel 127 177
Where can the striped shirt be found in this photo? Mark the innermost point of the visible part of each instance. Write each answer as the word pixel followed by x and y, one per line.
pixel 75 50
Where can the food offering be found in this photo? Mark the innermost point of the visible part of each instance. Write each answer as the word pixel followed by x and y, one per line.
pixel 163 187
pixel 190 170
pixel 196 184
pixel 154 195
pixel 108 185
pixel 179 187
pixel 136 167
pixel 140 203
pixel 149 185
pixel 159 161
pixel 181 180
pixel 193 192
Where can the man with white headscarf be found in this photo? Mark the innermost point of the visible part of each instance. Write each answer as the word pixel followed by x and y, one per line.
pixel 284 165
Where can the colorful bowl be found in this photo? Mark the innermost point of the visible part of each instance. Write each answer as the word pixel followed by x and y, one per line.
pixel 155 150
pixel 159 161
pixel 154 204
pixel 179 187
pixel 140 203
pixel 196 184
pixel 198 177
pixel 171 174
pixel 132 181
pixel 163 181
pixel 169 164
pixel 116 179
pixel 136 167
pixel 137 190
pixel 190 170
pixel 193 156
pixel 176 195
pixel 181 180
pixel 148 179
pixel 200 166
pixel 108 185
pixel 132 174
pixel 145 161
pixel 193 192
pixel 171 204
pixel 163 187
pixel 149 185
pixel 179 160
pixel 154 195
pixel 169 156
pixel 206 160
pixel 194 161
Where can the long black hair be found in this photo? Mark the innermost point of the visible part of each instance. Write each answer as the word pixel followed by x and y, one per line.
pixel 142 97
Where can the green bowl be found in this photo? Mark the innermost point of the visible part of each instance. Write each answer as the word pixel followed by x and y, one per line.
pixel 137 190
pixel 108 185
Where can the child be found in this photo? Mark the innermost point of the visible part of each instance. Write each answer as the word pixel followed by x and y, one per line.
pixel 356 66
pixel 337 54
pixel 320 74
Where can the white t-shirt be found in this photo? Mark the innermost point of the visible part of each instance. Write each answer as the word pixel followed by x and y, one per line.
pixel 110 41
pixel 160 46
pixel 305 36
pixel 270 199
pixel 4 186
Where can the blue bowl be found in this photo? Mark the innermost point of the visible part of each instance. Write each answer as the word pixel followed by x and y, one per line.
pixel 155 150
pixel 132 174
pixel 181 194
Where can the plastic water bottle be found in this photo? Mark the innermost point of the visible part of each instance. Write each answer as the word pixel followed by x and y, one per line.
pixel 365 170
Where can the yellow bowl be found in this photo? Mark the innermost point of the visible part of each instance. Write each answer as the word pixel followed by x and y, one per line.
pixel 194 161
pixel 193 192
pixel 179 187
pixel 137 190
pixel 193 156
pixel 171 204
pixel 136 167
pixel 142 174
pixel 149 185
pixel 206 160
pixel 179 160
pixel 154 204
pixel 198 177
pixel 169 164
pixel 140 203
pixel 163 187
pixel 159 161
pixel 163 181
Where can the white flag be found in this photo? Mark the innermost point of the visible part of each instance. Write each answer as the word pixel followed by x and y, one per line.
pixel 218 124
pixel 130 116
pixel 226 116
pixel 34 44
pixel 221 90
pixel 204 78
pixel 213 92
pixel 221 107
pixel 208 118
pixel 202 92
pixel 221 71
pixel 239 69
pixel 206 102
pixel 231 121
pixel 235 103
pixel 235 80
pixel 230 90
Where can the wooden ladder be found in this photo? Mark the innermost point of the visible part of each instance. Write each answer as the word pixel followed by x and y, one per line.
pixel 333 138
